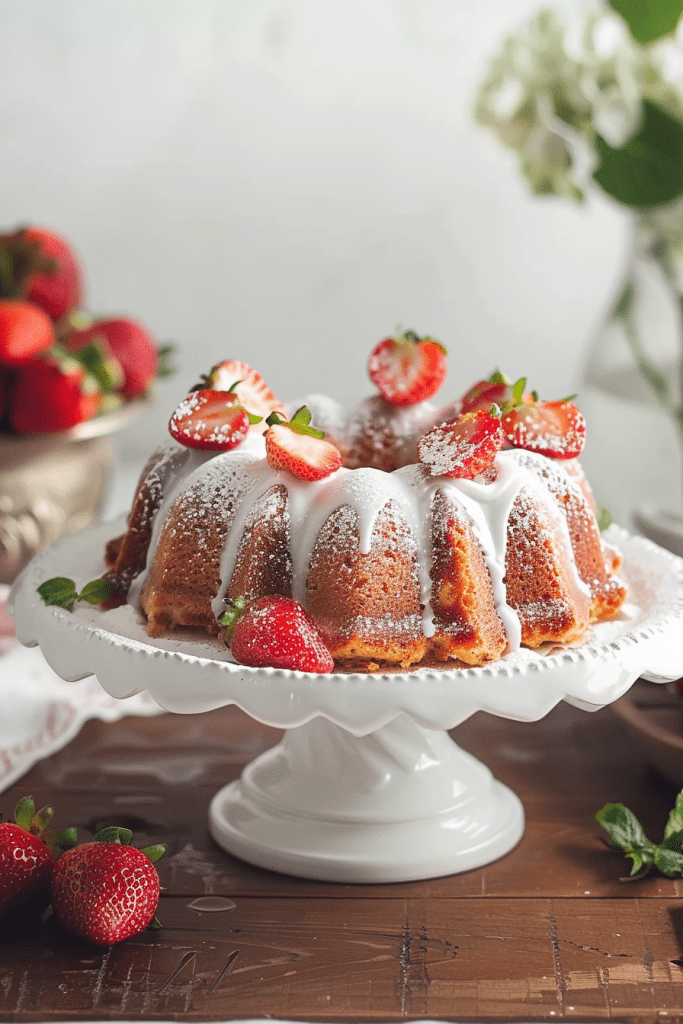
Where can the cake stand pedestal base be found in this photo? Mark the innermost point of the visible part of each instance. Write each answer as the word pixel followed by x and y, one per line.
pixel 399 804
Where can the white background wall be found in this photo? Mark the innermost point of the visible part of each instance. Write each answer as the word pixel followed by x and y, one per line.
pixel 285 181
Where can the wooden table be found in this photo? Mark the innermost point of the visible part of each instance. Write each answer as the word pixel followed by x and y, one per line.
pixel 547 933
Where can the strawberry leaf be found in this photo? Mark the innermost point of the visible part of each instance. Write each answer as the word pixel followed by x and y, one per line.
pixel 59 840
pixel 96 591
pixel 518 391
pixel 603 517
pixel 114 835
pixel 231 615
pixel 41 820
pixel 155 852
pixel 154 925
pixel 24 811
pixel 164 365
pixel 107 373
pixel 60 591
pixel 498 378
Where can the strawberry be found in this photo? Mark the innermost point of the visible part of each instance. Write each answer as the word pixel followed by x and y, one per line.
pixel 407 369
pixel 555 429
pixel 107 890
pixel 52 394
pixel 130 344
pixel 59 290
pixel 27 857
pixel 251 388
pixel 277 632
pixel 212 420
pixel 25 331
pixel 497 390
pixel 300 448
pixel 463 447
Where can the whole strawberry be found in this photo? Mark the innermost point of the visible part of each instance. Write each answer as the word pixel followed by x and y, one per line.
pixel 27 857
pixel 277 632
pixel 130 344
pixel 106 891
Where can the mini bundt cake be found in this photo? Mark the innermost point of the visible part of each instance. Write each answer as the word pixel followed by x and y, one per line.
pixel 394 562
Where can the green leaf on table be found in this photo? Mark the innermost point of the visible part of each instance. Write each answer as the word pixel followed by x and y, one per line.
pixel 649 19
pixel 673 833
pixel 623 828
pixel 648 170
pixel 60 590
pixel 669 862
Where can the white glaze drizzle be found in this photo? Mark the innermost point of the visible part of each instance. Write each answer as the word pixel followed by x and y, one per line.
pixel 367 491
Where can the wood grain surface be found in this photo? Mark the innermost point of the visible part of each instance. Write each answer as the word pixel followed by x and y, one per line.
pixel 547 933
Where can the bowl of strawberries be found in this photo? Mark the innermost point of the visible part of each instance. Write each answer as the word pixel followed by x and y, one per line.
pixel 68 380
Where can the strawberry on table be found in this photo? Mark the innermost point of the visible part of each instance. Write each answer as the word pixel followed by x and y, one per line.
pixel 212 420
pixel 28 855
pixel 463 447
pixel 130 344
pixel 298 447
pixel 52 393
pixel 276 632
pixel 251 389
pixel 25 331
pixel 407 369
pixel 106 891
pixel 554 429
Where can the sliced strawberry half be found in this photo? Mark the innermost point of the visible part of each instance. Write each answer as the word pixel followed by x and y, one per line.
pixel 250 387
pixel 277 632
pixel 407 369
pixel 300 448
pixel 555 429
pixel 464 447
pixel 212 420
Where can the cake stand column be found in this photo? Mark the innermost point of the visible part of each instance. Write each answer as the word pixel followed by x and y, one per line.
pixel 399 804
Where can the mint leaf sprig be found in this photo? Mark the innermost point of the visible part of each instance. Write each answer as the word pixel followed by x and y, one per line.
pixel 627 834
pixel 60 590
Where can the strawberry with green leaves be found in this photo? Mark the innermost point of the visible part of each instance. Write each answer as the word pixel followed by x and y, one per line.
pixel 497 390
pixel 28 855
pixel 275 632
pixel 39 266
pixel 211 420
pixel 106 891
pixel 296 446
pixel 130 344
pixel 407 369
pixel 52 393
pixel 250 387
pixel 554 429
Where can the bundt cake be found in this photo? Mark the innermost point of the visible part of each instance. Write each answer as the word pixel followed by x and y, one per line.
pixel 396 562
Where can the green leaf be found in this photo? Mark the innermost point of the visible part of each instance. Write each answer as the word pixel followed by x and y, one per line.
pixel 252 417
pixel 674 826
pixel 97 590
pixel 59 840
pixel 41 820
pixel 114 835
pixel 275 419
pixel 107 372
pixel 623 827
pixel 603 517
pixel 59 590
pixel 518 390
pixel 498 378
pixel 638 862
pixel 154 925
pixel 24 811
pixel 155 852
pixel 165 367
pixel 669 862
pixel 300 423
pixel 648 170
pixel 231 615
pixel 624 304
pixel 649 19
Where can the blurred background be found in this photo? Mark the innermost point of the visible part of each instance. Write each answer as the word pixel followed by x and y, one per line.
pixel 286 181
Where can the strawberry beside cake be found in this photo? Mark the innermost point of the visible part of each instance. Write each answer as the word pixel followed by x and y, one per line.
pixel 404 535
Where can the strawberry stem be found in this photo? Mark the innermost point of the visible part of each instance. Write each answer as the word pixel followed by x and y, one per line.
pixel 114 835
pixel 231 615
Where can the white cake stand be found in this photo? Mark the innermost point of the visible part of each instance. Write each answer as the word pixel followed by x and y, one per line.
pixel 366 785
